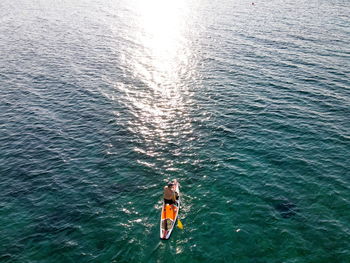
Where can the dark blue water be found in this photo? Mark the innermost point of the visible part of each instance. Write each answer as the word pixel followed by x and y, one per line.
pixel 247 105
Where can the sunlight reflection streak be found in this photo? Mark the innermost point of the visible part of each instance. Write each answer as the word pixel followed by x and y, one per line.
pixel 159 62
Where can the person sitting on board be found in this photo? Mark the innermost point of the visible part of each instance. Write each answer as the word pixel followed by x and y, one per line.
pixel 170 195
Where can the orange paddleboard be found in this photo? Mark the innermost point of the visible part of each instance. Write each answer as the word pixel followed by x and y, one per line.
pixel 169 214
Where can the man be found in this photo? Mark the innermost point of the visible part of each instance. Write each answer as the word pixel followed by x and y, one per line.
pixel 170 194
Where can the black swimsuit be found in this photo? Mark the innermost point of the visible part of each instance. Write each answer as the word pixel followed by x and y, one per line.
pixel 170 202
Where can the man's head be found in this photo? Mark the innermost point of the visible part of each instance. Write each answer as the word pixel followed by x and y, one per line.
pixel 170 184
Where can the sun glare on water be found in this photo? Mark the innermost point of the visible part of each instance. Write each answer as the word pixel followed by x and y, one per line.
pixel 162 26
pixel 158 62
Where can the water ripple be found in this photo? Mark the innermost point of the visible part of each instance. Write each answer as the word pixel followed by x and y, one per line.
pixel 247 105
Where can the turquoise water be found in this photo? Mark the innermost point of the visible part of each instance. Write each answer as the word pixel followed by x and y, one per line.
pixel 102 102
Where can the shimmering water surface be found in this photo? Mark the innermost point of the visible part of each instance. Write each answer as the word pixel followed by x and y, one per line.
pixel 248 105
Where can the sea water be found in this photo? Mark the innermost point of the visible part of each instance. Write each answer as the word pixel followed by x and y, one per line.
pixel 246 104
